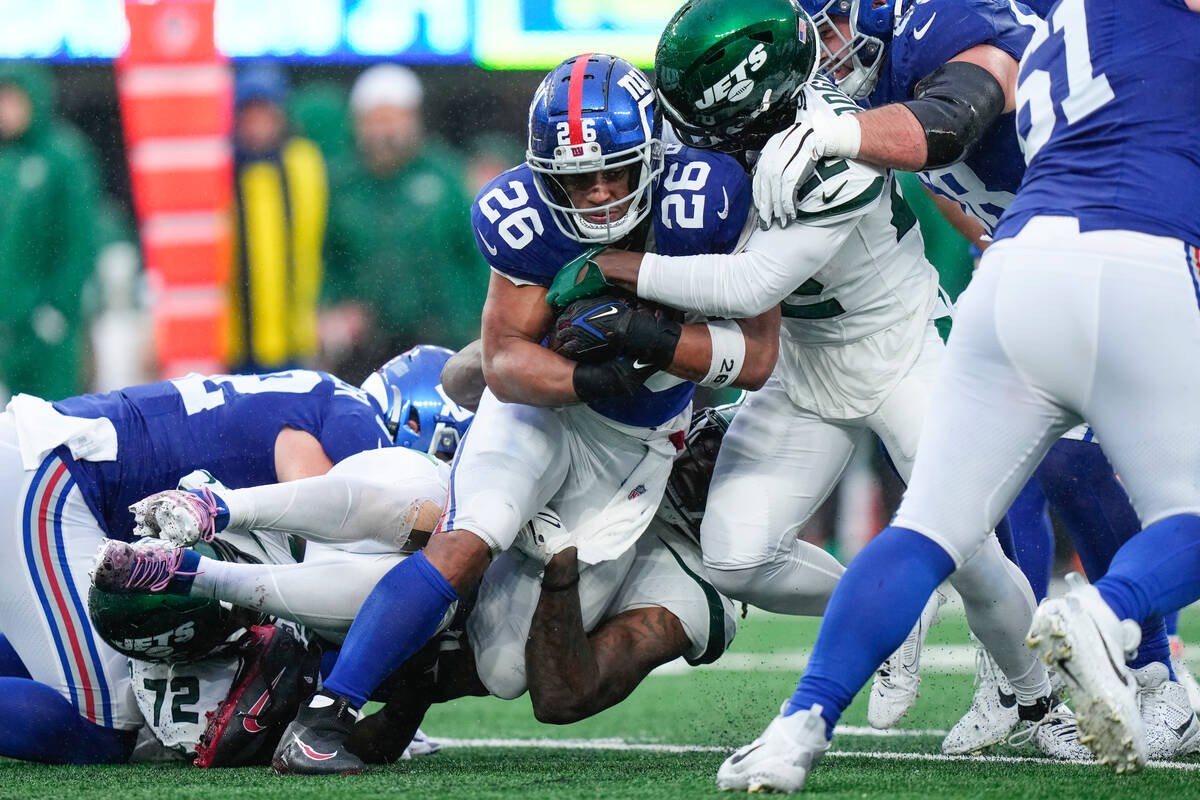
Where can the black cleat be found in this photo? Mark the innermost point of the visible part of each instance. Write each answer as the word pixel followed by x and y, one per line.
pixel 315 742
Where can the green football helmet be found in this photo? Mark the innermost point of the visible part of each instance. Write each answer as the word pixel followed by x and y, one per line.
pixel 728 71
pixel 167 627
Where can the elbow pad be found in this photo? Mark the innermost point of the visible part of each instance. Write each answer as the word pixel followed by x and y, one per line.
pixel 955 104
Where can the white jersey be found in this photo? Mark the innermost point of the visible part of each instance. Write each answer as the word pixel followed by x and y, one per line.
pixel 176 699
pixel 855 288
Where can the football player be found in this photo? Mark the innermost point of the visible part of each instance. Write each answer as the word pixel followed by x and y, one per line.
pixel 1086 307
pixel 593 441
pixel 70 471
pixel 940 78
pixel 859 348
pixel 580 637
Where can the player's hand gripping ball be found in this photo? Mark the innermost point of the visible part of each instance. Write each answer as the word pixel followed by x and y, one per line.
pixel 597 329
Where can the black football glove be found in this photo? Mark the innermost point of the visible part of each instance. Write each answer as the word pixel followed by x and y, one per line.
pixel 601 328
pixel 618 377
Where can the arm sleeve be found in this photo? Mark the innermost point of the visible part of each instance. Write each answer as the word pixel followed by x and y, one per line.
pixel 773 263
pixel 334 509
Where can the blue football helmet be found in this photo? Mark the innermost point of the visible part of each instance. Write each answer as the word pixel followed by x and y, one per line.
pixel 594 113
pixel 418 413
pixel 871 26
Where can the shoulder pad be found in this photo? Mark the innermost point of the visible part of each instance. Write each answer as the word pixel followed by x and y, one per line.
pixel 514 230
pixel 931 33
pixel 700 202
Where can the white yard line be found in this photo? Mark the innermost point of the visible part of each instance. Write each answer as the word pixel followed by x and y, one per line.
pixel 622 745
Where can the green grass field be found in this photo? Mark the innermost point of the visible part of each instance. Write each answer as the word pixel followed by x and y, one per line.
pixel 666 741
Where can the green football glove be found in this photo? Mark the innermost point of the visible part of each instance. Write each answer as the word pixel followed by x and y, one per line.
pixel 579 279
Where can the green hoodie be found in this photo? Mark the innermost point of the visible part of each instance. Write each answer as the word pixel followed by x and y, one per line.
pixel 48 201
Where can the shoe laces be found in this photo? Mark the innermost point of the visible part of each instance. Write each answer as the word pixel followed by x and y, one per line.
pixel 1050 720
pixel 153 568
pixel 205 503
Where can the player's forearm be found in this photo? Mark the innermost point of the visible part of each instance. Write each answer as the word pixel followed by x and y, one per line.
pixel 520 371
pixel 560 666
pixel 891 136
pixel 734 286
pixel 694 353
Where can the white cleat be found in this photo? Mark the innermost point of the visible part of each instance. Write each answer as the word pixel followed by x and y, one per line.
pixel 1055 734
pixel 1183 673
pixel 993 711
pixel 421 745
pixel 894 689
pixel 1171 725
pixel 781 759
pixel 1081 637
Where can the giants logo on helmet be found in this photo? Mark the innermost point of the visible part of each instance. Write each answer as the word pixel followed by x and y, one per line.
pixel 736 84
pixel 162 645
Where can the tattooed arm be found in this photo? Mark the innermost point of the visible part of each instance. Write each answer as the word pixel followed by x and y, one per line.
pixel 573 674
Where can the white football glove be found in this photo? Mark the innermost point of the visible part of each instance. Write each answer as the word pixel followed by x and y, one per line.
pixel 543 537
pixel 789 157
pixel 784 163
pixel 180 517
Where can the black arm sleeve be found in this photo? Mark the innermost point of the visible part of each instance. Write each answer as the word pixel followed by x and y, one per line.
pixel 955 104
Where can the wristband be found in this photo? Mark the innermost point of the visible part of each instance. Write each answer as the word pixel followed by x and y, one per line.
pixel 838 137
pixel 728 353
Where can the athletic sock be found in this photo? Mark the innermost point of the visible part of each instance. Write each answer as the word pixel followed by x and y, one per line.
pixel 402 612
pixel 1155 572
pixel 875 605
pixel 1032 549
pixel 1172 622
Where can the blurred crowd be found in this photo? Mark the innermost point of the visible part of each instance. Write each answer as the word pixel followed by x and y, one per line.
pixel 351 233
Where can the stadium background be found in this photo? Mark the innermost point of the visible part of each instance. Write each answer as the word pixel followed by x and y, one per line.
pixel 479 61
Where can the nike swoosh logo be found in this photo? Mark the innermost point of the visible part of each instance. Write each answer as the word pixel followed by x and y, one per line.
pixel 724 212
pixel 1007 700
pixel 920 32
pixel 250 721
pixel 827 197
pixel 313 754
pixel 639 365
pixel 1181 731
pixel 486 244
pixel 737 757
pixel 606 313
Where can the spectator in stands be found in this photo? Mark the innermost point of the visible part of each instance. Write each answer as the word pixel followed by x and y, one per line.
pixel 281 204
pixel 48 196
pixel 401 258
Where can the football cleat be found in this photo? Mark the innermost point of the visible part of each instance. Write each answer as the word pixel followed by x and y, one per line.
pixel 897 680
pixel 543 537
pixel 993 711
pixel 143 566
pixel 781 759
pixel 1171 725
pixel 181 517
pixel 278 673
pixel 1081 637
pixel 1183 673
pixel 315 742
pixel 1051 727
pixel 421 745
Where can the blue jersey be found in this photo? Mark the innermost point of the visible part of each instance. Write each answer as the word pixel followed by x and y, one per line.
pixel 1108 102
pixel 929 34
pixel 699 205
pixel 226 424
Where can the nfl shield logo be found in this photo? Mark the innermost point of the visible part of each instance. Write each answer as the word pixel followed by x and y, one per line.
pixel 638 491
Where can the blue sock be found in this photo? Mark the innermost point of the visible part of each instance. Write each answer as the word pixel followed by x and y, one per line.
pixel 1095 509
pixel 399 616
pixel 1028 521
pixel 874 606
pixel 1172 622
pixel 11 665
pixel 189 564
pixel 1155 572
pixel 39 724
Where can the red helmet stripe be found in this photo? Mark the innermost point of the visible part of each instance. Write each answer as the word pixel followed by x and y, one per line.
pixel 575 98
